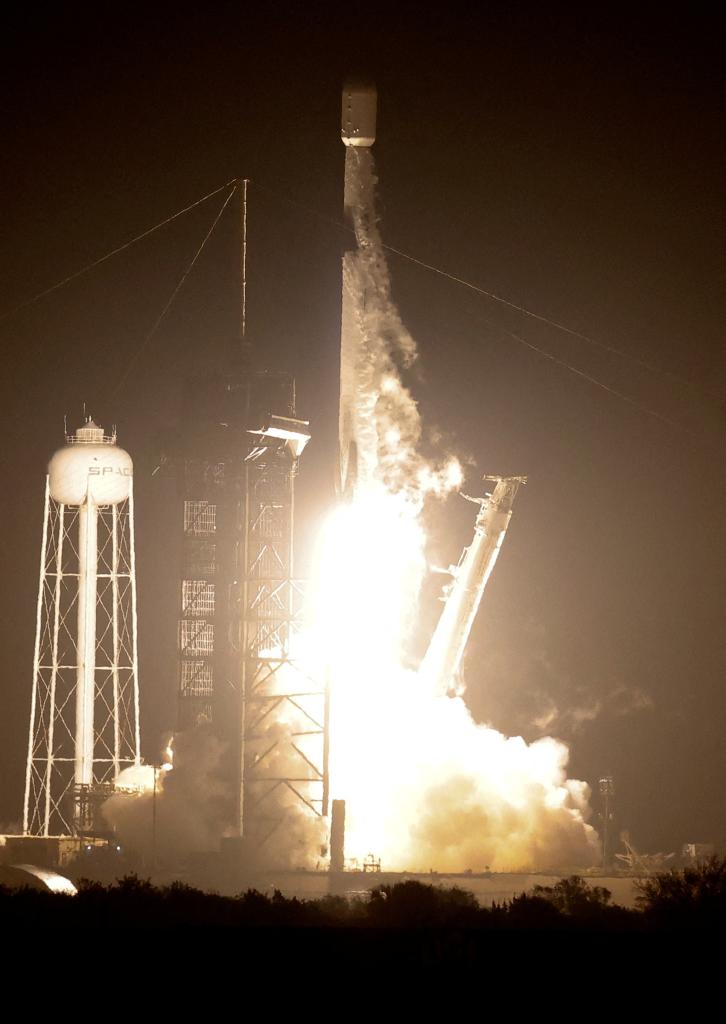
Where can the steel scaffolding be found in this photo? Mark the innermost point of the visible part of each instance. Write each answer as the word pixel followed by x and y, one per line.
pixel 283 760
pixel 240 605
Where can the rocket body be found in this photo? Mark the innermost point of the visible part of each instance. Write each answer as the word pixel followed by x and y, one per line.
pixel 358 129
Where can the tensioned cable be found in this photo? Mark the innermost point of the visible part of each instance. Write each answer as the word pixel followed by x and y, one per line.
pixel 586 376
pixel 147 338
pixel 114 252
pixel 399 252
pixel 523 310
pixel 544 319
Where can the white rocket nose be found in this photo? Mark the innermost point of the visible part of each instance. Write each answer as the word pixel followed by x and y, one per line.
pixel 358 123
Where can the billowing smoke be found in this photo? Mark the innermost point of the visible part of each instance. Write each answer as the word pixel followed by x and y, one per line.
pixel 387 423
pixel 186 806
pixel 534 689
pixel 425 785
pixel 192 804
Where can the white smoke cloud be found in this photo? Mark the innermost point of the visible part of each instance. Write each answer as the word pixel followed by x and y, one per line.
pixel 193 804
pixel 617 702
pixel 520 683
pixel 388 423
pixel 195 807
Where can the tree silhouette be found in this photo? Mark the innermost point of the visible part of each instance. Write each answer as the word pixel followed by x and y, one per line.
pixel 413 904
pixel 693 896
pixel 573 896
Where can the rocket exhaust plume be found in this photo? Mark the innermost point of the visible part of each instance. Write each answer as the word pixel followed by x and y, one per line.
pixel 425 786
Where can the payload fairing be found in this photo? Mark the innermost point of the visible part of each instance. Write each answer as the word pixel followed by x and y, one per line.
pixel 358 121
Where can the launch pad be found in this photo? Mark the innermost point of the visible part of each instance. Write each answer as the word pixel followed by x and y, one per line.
pixel 248 671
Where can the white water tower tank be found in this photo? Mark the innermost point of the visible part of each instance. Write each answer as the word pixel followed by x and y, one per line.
pixel 90 464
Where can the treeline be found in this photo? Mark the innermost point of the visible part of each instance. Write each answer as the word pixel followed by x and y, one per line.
pixel 692 898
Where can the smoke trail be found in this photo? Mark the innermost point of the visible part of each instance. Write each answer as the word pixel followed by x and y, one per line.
pixel 425 785
pixel 387 425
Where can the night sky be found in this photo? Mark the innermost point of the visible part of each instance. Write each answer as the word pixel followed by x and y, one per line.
pixel 574 167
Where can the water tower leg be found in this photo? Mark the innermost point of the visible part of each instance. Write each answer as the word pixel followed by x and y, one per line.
pixel 86 650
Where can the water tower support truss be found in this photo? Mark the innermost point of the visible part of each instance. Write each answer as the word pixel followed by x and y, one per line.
pixel 60 797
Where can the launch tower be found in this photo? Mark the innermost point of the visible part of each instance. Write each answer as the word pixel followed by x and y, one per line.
pixel 240 603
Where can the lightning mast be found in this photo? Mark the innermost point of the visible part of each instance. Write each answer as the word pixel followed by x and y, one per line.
pixel 442 661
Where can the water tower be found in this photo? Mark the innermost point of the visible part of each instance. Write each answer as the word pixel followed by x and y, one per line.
pixel 84 718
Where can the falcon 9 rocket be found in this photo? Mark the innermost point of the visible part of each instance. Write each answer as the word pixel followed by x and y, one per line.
pixel 358 128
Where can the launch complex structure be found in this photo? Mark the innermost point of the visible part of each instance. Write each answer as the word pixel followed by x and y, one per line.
pixel 241 604
pixel 235 460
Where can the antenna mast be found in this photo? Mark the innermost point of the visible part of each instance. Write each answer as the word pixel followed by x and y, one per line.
pixel 243 311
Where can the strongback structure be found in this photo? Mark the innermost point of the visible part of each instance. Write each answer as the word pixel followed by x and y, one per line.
pixel 84 720
pixel 443 659
pixel 240 605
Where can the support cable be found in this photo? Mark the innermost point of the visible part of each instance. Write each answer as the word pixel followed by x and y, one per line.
pixel 243 325
pixel 145 341
pixel 517 307
pixel 588 377
pixel 524 311
pixel 114 252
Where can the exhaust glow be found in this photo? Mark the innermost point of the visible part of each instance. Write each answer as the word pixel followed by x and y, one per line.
pixel 425 786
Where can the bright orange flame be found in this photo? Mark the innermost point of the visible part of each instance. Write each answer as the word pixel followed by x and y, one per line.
pixel 425 786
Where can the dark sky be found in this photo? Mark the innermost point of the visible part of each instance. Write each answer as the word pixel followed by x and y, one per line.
pixel 575 167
